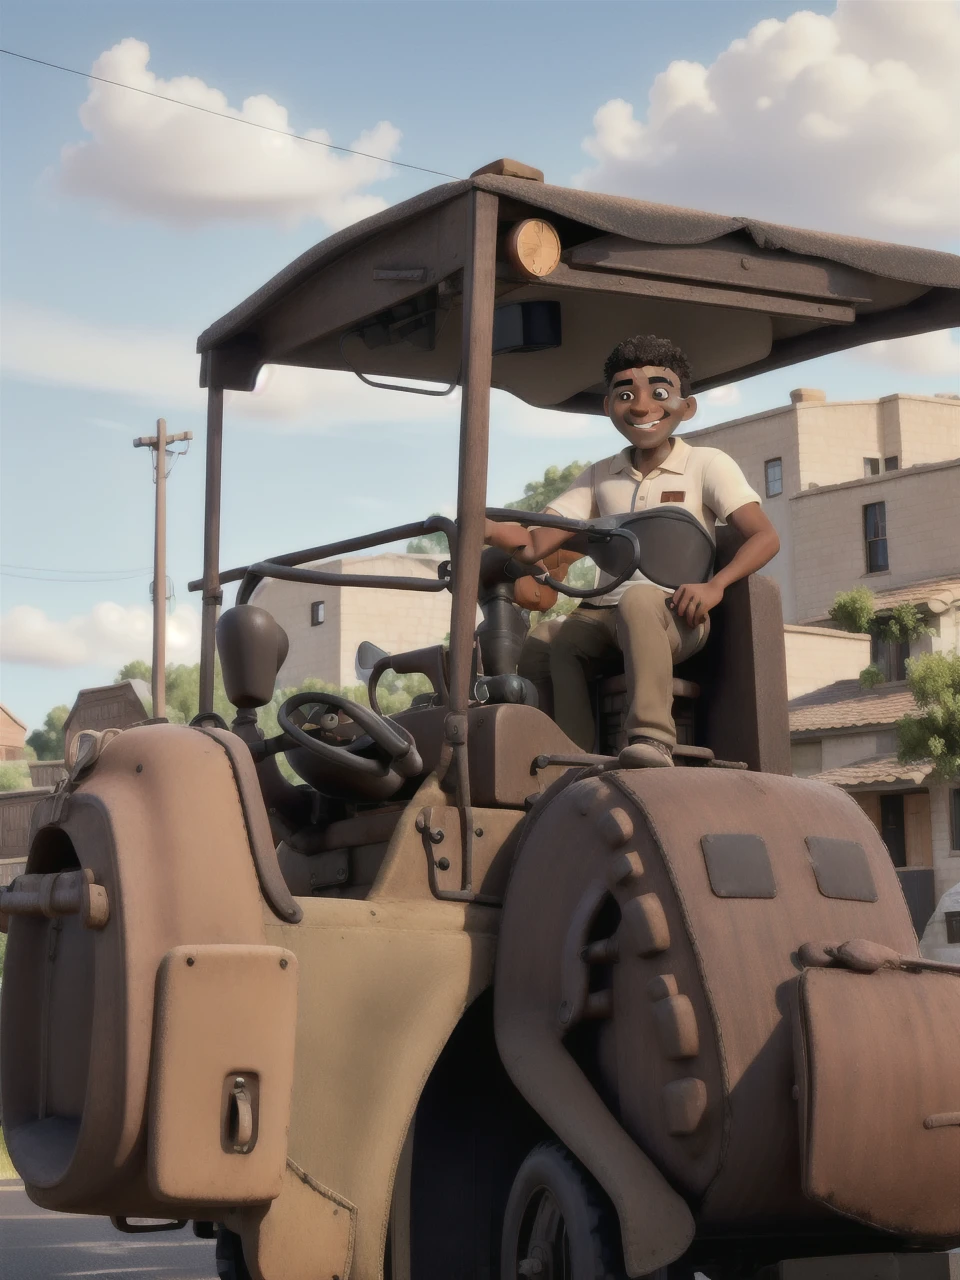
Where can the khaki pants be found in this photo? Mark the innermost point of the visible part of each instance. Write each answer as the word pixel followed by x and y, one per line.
pixel 652 640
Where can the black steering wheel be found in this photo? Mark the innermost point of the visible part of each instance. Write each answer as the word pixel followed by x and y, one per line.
pixel 393 745
pixel 614 548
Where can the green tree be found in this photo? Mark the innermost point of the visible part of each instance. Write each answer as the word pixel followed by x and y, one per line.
pixel 538 494
pixel 182 689
pixel 48 741
pixel 14 775
pixel 136 670
pixel 429 544
pixel 934 734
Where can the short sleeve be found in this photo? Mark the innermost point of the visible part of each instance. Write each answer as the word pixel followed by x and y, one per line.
pixel 725 487
pixel 579 501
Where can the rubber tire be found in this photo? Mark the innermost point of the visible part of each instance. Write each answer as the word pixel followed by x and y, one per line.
pixel 230 1263
pixel 592 1226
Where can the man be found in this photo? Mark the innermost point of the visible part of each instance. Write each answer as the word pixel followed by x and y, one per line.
pixel 648 397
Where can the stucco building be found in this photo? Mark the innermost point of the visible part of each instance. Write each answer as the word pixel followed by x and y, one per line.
pixel 863 493
pixel 325 625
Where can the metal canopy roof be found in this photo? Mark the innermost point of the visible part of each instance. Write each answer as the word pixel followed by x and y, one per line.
pixel 383 296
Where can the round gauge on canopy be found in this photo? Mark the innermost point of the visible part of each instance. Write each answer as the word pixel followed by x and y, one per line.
pixel 533 247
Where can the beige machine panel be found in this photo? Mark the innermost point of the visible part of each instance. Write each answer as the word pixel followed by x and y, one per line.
pixel 222 1073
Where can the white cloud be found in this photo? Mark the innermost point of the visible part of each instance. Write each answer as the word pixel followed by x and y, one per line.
pixel 161 369
pixel 933 354
pixel 156 159
pixel 848 122
pixel 110 634
pixel 723 395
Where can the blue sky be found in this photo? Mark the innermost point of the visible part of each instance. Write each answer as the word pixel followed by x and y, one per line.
pixel 114 257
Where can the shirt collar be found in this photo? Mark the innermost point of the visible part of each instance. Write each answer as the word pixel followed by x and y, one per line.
pixel 676 461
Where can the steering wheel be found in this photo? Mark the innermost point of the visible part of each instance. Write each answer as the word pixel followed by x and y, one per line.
pixel 614 548
pixel 393 744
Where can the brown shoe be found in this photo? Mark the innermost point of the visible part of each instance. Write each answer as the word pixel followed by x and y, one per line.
pixel 646 753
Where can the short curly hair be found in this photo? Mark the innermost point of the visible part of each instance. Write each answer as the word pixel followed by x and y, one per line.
pixel 634 353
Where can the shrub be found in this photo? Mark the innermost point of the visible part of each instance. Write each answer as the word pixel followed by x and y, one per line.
pixel 854 610
pixel 903 622
pixel 871 676
pixel 934 734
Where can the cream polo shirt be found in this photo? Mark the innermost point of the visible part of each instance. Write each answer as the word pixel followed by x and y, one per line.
pixel 706 481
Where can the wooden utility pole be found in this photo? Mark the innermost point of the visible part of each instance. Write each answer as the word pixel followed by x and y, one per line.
pixel 158 445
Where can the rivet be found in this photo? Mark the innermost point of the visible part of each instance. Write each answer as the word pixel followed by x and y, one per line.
pixel 139 768
pixel 239 1082
pixel 443 864
pixel 283 964
pixel 341 873
pixel 190 961
pixel 478 831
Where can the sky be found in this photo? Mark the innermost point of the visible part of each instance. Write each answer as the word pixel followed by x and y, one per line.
pixel 127 225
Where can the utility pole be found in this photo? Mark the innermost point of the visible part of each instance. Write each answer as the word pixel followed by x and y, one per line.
pixel 158 446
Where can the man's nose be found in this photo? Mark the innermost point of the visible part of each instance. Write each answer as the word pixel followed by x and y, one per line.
pixel 645 406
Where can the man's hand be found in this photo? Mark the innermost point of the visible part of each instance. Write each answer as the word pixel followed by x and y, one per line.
pixel 508 536
pixel 694 600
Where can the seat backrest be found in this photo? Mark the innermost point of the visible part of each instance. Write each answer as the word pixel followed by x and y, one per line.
pixel 742 673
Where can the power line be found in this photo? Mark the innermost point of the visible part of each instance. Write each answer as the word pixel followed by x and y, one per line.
pixel 36 568
pixel 299 137
pixel 33 573
pixel 30 577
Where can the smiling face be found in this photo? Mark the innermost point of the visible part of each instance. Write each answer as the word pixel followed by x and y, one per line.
pixel 647 405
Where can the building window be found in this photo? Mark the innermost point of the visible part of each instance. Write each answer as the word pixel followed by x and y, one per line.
pixel 890 656
pixel 316 613
pixel 955 818
pixel 893 828
pixel 952 919
pixel 773 474
pixel 871 466
pixel 892 463
pixel 875 536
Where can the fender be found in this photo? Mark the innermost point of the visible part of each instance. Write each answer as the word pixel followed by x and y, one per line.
pixel 656 1225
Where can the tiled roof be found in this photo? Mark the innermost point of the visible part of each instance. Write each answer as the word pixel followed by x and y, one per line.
pixel 872 770
pixel 846 705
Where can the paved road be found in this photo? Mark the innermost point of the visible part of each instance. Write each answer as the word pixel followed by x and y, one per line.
pixel 38 1245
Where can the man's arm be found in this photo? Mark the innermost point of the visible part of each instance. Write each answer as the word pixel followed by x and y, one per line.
pixel 526 545
pixel 693 601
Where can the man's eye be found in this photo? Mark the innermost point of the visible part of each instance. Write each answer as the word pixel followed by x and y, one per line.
pixel 661 393
pixel 625 395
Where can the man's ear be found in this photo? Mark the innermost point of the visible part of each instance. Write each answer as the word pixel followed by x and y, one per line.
pixel 606 405
pixel 691 408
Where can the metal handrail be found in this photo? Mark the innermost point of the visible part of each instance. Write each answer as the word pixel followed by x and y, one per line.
pixel 252 574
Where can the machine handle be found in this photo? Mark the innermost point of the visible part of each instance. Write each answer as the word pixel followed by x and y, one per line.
pixel 59 893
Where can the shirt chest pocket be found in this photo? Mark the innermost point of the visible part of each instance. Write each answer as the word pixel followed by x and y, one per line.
pixel 673 495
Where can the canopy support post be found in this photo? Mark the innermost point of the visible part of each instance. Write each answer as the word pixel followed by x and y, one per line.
pixel 479 293
pixel 479 283
pixel 212 595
